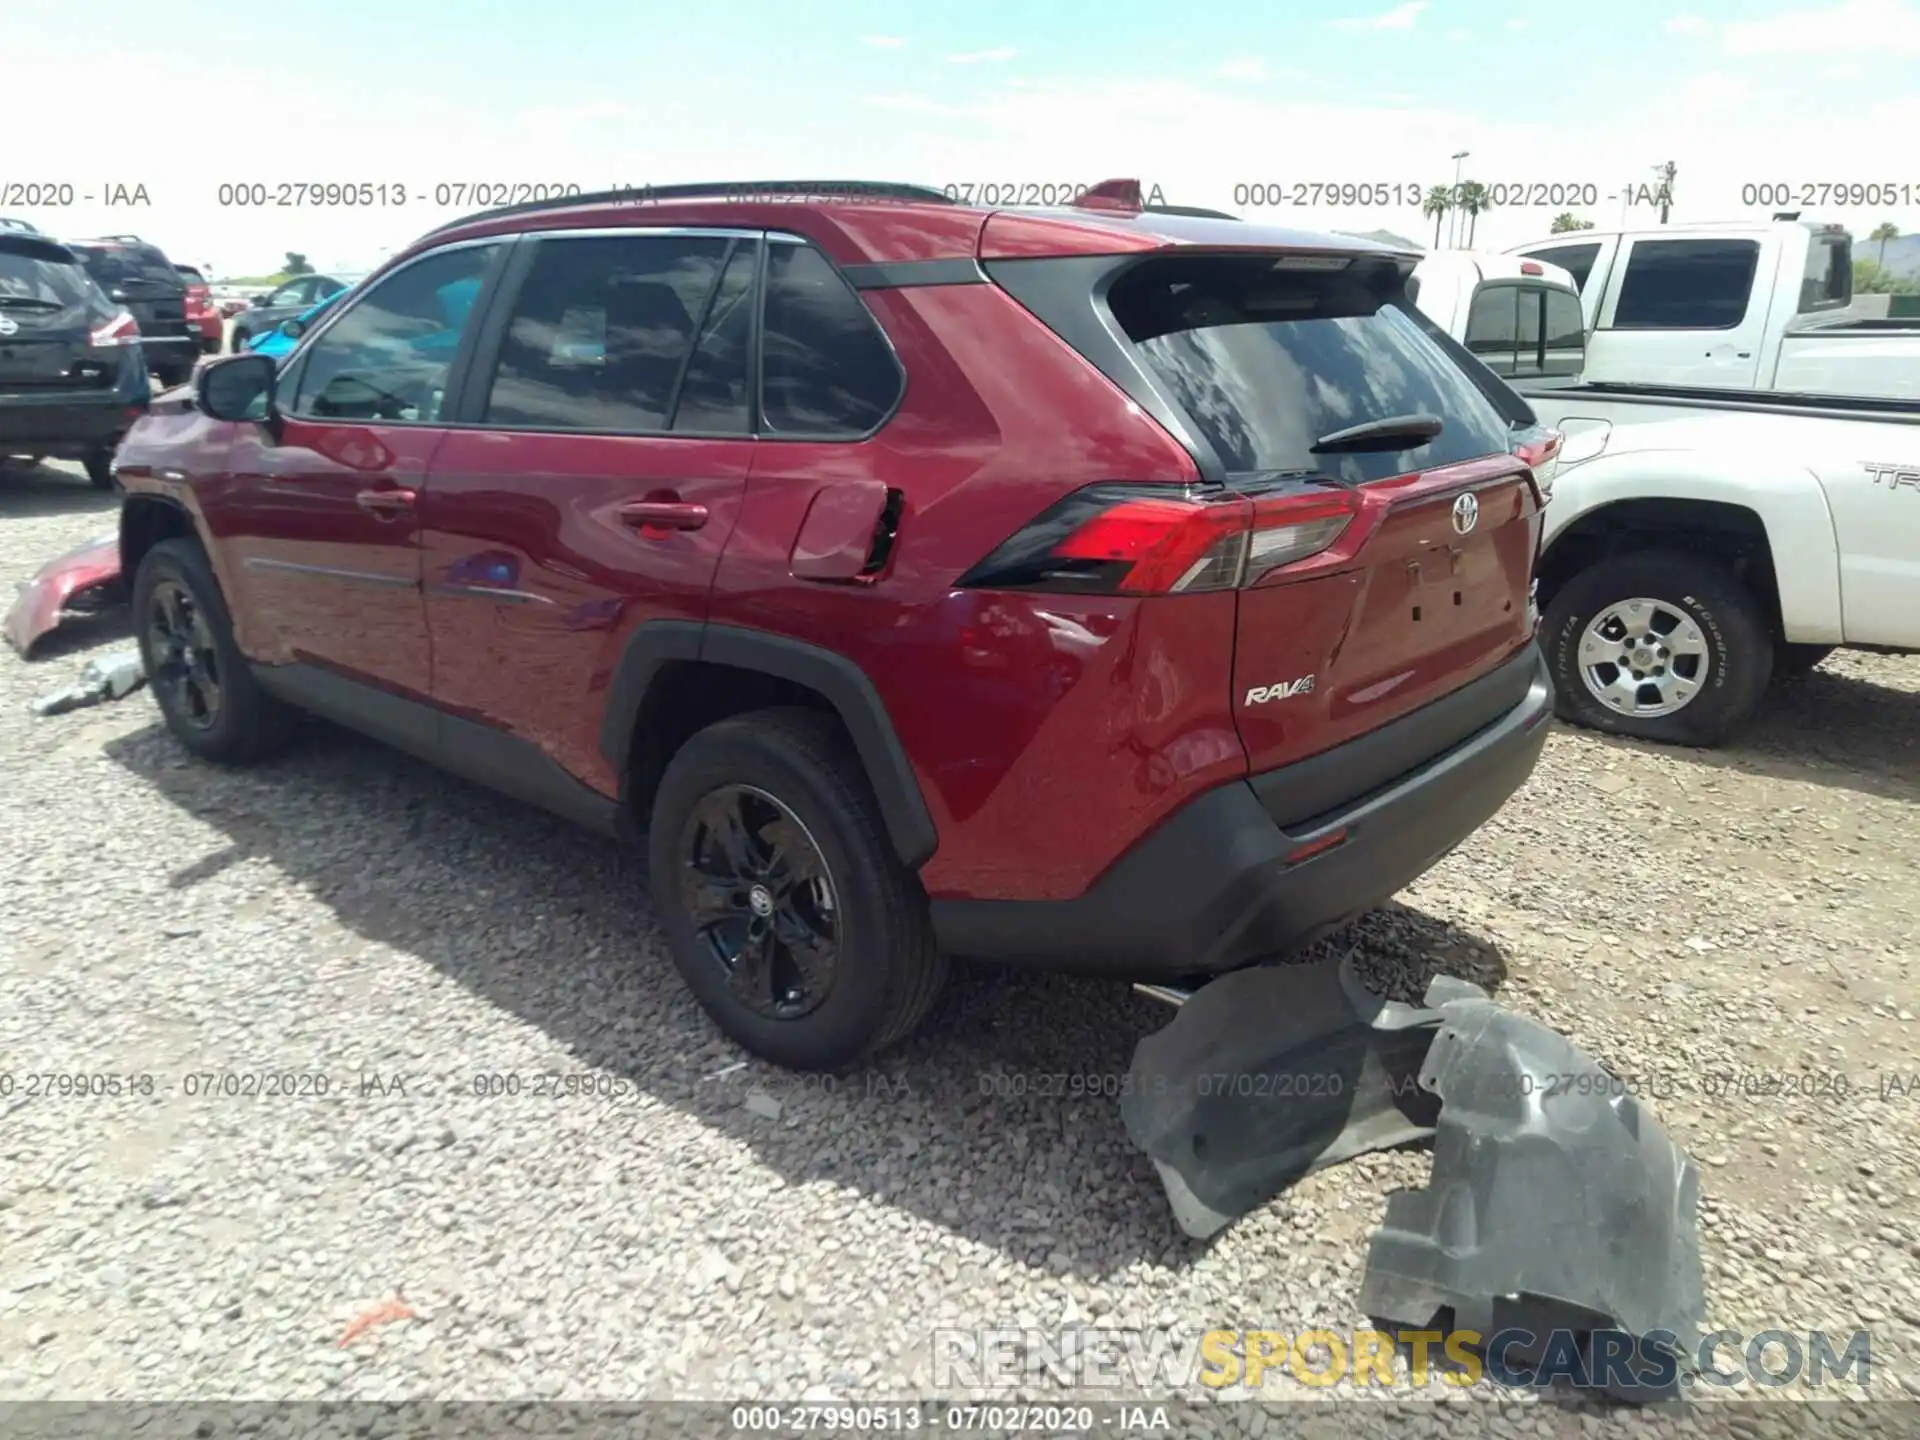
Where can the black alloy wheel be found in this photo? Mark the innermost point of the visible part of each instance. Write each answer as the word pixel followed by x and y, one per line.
pixel 762 903
pixel 184 662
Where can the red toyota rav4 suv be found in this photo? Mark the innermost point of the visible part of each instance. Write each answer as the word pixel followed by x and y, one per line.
pixel 1127 591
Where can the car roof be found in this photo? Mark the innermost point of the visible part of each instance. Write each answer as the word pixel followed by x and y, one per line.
pixel 862 223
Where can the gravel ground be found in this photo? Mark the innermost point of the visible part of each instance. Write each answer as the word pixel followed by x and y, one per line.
pixel 721 1229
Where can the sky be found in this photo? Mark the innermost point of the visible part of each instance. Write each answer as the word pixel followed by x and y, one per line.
pixel 1219 104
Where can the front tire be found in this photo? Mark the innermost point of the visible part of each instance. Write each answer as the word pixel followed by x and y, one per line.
pixel 1659 645
pixel 785 908
pixel 201 681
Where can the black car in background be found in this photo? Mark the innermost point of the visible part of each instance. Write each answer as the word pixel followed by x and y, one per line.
pixel 137 275
pixel 72 375
pixel 296 297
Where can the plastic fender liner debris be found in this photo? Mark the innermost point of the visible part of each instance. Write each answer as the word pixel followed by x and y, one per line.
pixel 1557 1201
pixel 80 582
pixel 1268 1074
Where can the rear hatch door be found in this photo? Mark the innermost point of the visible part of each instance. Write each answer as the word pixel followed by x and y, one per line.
pixel 1325 398
pixel 140 278
pixel 48 311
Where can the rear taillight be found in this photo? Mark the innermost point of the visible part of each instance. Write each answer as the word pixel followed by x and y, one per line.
pixel 1541 450
pixel 122 329
pixel 1166 540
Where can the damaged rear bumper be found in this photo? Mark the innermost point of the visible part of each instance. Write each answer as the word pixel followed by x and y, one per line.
pixel 1260 866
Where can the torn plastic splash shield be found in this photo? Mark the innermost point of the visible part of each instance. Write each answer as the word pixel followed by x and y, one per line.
pixel 1554 1193
pixel 1557 1201
pixel 1268 1074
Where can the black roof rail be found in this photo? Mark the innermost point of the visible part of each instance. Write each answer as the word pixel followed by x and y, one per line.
pixel 706 190
pixel 1196 211
pixel 113 240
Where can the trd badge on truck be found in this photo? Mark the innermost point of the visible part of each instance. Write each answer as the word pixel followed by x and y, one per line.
pixel 1285 690
pixel 1894 475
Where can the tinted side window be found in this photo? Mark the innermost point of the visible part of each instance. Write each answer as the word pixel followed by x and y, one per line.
pixel 1566 337
pixel 388 355
pixel 600 331
pixel 716 396
pixel 1490 327
pixel 1576 260
pixel 1686 284
pixel 825 367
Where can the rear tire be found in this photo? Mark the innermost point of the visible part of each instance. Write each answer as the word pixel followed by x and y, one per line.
pixel 805 793
pixel 99 466
pixel 244 723
pixel 1728 618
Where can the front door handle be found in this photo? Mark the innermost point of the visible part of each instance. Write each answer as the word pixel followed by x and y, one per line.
pixel 663 515
pixel 385 502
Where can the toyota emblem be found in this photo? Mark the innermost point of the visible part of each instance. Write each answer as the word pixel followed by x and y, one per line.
pixel 1466 514
pixel 8 325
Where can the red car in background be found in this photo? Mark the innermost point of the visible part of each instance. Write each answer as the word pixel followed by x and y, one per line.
pixel 204 318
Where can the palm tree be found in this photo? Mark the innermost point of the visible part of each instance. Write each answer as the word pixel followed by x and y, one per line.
pixel 1438 202
pixel 1474 200
pixel 1883 232
pixel 1566 220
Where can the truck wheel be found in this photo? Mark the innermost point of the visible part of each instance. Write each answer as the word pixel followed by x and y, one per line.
pixel 206 693
pixel 785 908
pixel 1659 645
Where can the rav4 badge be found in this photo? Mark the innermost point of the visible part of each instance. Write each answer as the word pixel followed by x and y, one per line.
pixel 1285 690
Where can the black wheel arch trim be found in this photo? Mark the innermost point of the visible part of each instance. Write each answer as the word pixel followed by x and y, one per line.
pixel 843 684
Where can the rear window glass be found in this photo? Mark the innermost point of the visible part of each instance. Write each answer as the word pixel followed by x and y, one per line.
pixel 130 267
pixel 1266 362
pixel 1576 260
pixel 1827 281
pixel 29 281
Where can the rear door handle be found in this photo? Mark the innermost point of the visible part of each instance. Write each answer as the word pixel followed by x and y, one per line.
pixel 385 502
pixel 663 515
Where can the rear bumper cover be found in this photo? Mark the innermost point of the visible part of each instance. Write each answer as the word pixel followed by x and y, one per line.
pixel 1212 888
pixel 82 581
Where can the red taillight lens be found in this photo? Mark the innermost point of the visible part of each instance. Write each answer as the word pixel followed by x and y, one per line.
pixel 1541 450
pixel 1165 540
pixel 122 329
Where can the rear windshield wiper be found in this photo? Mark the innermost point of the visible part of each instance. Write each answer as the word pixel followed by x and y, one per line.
pixel 29 302
pixel 1396 432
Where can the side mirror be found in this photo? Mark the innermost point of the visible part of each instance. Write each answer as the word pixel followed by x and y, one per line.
pixel 292 329
pixel 237 387
pixel 258 301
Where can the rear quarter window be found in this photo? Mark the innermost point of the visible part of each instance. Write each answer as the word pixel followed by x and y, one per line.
pixel 1266 362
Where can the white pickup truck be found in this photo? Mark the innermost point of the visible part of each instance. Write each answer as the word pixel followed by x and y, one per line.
pixel 1696 543
pixel 1741 307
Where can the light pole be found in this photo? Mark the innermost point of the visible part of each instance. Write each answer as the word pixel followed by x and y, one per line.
pixel 1453 232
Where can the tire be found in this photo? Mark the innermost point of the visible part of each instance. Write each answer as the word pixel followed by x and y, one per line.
pixel 887 972
pixel 247 723
pixel 99 464
pixel 1795 660
pixel 1731 630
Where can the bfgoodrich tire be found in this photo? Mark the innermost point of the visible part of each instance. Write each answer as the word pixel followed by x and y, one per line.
pixel 206 693
pixel 1681 648
pixel 785 908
